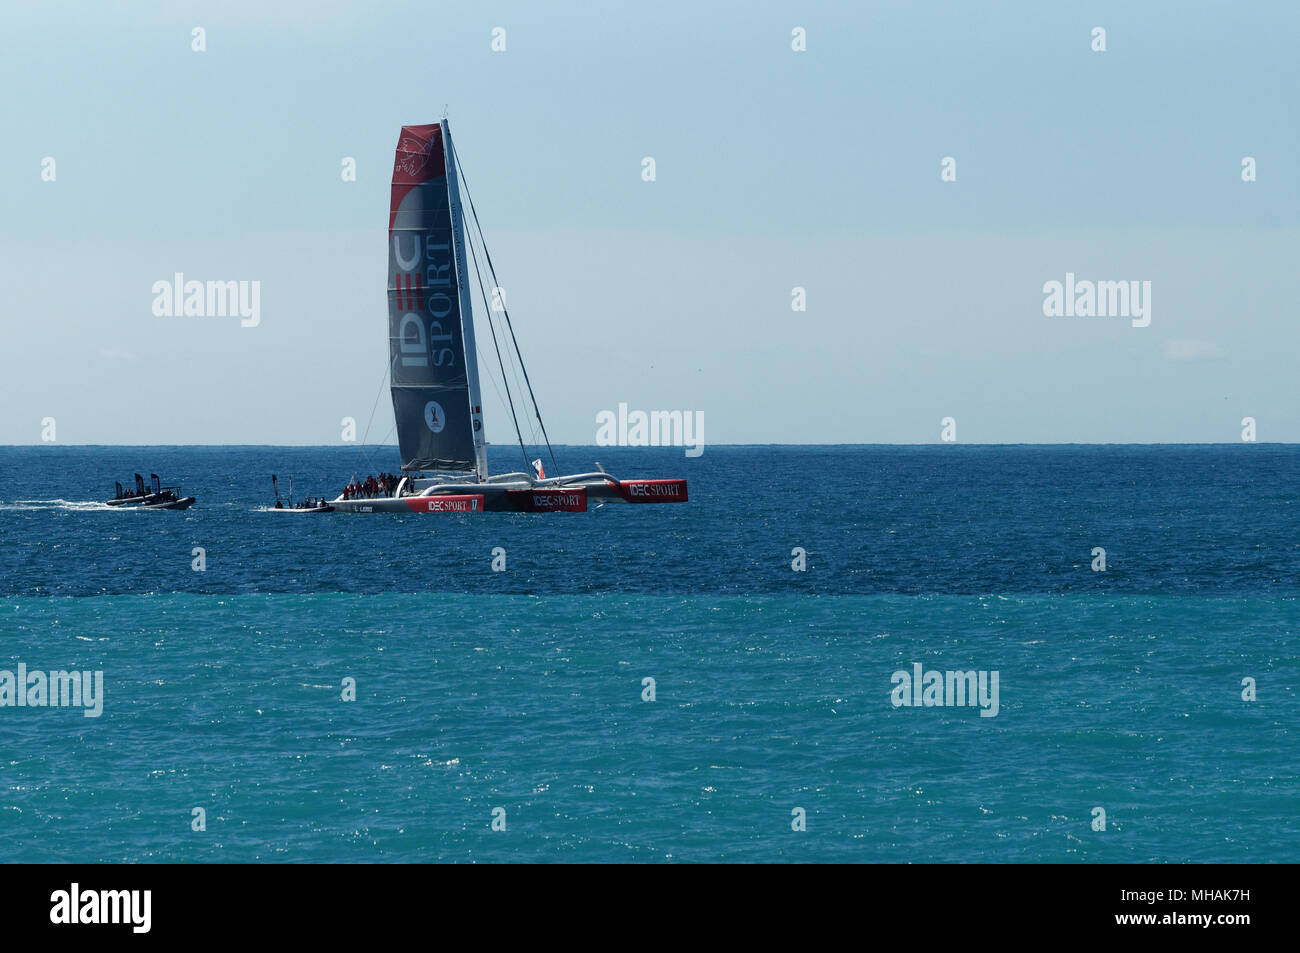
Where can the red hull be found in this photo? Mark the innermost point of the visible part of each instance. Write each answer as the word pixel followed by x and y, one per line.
pixel 463 503
pixel 652 491
pixel 548 500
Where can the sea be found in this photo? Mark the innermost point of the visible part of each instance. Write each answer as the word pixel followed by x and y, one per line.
pixel 731 679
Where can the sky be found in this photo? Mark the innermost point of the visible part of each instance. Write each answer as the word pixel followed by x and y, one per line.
pixel 775 169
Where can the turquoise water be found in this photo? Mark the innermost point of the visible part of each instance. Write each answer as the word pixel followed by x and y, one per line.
pixel 772 689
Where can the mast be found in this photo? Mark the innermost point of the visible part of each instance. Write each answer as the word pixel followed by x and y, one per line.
pixel 466 309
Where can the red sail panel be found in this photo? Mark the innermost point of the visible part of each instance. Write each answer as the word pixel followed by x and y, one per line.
pixel 419 159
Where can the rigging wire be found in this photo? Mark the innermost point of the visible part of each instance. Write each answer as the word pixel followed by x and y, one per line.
pixel 510 372
pixel 361 448
pixel 492 378
pixel 532 427
pixel 506 311
pixel 479 275
pixel 371 420
pixel 510 359
pixel 369 459
pixel 502 382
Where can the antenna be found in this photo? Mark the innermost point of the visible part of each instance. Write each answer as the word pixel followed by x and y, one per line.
pixel 444 110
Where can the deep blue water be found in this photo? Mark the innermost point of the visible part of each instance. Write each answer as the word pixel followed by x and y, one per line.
pixel 522 689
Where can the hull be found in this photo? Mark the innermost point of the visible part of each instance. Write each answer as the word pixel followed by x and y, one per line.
pixel 440 503
pixel 153 503
pixel 184 503
pixel 369 506
pixel 558 495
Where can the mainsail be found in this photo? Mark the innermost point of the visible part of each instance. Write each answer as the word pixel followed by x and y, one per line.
pixel 433 362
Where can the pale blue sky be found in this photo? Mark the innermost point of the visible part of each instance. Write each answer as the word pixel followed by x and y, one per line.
pixel 776 169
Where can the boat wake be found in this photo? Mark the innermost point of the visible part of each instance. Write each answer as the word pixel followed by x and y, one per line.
pixel 73 505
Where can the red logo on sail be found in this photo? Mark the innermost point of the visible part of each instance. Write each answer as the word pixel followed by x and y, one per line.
pixel 410 290
pixel 419 155
pixel 412 157
pixel 420 158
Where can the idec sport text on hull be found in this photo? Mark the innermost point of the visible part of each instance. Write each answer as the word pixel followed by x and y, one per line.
pixel 654 491
pixel 555 500
pixel 445 504
pixel 548 500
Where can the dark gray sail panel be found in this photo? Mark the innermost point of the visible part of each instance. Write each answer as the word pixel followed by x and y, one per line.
pixel 424 447
pixel 426 346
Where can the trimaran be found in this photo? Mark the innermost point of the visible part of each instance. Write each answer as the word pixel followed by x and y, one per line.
pixel 433 361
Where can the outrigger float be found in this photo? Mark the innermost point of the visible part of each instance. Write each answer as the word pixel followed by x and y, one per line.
pixel 153 497
pixel 433 361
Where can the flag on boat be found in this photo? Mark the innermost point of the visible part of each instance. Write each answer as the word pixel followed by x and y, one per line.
pixel 539 469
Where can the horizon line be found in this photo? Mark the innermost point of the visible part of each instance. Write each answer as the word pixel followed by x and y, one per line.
pixel 345 446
